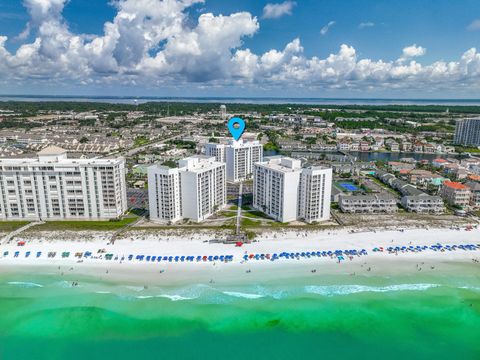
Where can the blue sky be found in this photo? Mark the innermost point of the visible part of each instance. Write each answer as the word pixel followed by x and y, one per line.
pixel 442 31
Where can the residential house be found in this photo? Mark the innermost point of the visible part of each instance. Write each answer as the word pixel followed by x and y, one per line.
pixel 439 162
pixel 398 166
pixel 378 203
pixel 392 145
pixel 455 193
pixel 406 146
pixel 364 146
pixel 428 148
pixel 418 147
pixel 474 187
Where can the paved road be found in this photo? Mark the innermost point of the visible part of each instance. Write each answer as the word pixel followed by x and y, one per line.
pixel 137 198
pixel 139 149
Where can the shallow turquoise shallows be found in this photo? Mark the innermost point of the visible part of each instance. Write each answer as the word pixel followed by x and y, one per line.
pixel 428 317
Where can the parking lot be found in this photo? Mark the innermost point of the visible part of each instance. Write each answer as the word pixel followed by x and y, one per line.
pixel 137 198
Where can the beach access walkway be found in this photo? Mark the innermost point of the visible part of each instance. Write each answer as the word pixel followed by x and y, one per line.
pixel 127 226
pixel 6 239
pixel 239 210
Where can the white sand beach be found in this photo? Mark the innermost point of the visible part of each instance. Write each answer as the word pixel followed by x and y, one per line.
pixel 120 268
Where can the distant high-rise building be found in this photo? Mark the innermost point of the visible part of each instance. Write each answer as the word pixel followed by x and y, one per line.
pixel 216 150
pixel 239 156
pixel 467 132
pixel 52 186
pixel 223 112
pixel 195 190
pixel 285 191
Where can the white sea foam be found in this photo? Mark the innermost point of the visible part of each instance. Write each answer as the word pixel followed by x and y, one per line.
pixel 474 288
pixel 243 295
pixel 144 296
pixel 24 284
pixel 102 292
pixel 175 297
pixel 135 288
pixel 332 290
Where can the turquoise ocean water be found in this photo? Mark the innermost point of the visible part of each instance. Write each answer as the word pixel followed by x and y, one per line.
pixel 316 317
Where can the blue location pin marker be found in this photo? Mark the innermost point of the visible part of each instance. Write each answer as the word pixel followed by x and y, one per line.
pixel 236 131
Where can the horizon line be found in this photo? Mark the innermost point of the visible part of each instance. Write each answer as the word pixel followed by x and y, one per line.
pixel 230 97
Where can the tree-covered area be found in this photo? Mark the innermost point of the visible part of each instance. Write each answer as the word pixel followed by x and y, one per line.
pixel 397 127
pixel 183 144
pixel 19 124
pixel 164 108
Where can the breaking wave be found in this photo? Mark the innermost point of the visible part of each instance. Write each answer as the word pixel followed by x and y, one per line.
pixel 332 290
pixel 24 284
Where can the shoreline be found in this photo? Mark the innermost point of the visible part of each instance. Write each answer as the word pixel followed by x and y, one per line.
pixel 237 270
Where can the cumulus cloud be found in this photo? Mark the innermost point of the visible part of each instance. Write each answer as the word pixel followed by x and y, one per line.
pixel 274 11
pixel 474 25
pixel 366 24
pixel 152 43
pixel 413 51
pixel 324 30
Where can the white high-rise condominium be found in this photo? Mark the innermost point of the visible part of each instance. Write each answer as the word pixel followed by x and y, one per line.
pixel 276 186
pixel 285 191
pixel 195 190
pixel 239 157
pixel 55 187
pixel 216 150
pixel 315 193
pixel 467 132
pixel 164 195
pixel 223 112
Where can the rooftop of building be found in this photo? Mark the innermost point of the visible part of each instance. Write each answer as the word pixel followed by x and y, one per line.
pixel 440 161
pixel 281 164
pixel 55 155
pixel 421 172
pixel 455 185
pixel 52 150
pixel 65 162
pixel 199 163
pixel 470 119
pixel 384 197
pixel 473 185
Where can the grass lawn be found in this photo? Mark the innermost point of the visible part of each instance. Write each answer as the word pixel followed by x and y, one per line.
pixel 227 213
pixel 9 226
pixel 84 225
pixel 250 223
pixel 255 214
